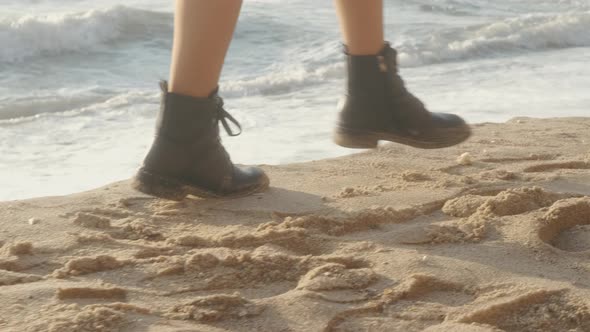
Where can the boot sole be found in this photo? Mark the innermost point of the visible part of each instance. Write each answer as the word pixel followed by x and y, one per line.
pixel 173 189
pixel 359 139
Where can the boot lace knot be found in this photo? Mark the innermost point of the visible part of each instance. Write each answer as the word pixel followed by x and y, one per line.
pixel 223 116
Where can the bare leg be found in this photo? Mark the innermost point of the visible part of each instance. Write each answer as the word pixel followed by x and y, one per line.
pixel 202 32
pixel 361 23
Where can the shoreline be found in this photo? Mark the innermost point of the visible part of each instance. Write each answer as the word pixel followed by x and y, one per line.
pixel 138 160
pixel 352 152
pixel 491 235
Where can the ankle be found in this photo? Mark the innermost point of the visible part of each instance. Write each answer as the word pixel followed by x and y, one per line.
pixel 364 50
pixel 375 51
pixel 192 90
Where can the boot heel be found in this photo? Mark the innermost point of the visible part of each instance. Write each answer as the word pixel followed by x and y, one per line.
pixel 155 185
pixel 354 140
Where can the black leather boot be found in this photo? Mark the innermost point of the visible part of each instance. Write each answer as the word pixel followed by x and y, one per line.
pixel 187 156
pixel 378 107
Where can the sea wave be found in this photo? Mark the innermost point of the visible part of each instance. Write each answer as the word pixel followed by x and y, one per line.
pixel 533 33
pixel 447 9
pixel 82 31
pixel 15 108
pixel 281 81
pixel 26 108
pixel 37 35
pixel 509 36
pixel 498 8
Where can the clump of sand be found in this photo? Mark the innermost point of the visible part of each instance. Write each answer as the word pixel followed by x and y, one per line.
pixel 86 265
pixel 214 308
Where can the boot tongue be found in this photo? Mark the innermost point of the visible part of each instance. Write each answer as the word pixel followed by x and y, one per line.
pixel 390 56
pixel 185 117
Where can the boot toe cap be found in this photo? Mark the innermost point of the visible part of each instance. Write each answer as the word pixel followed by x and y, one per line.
pixel 447 120
pixel 249 179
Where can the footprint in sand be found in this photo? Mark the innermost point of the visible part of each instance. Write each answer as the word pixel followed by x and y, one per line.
pixel 334 276
pixel 127 227
pixel 19 248
pixel 214 269
pixel 532 311
pixel 89 220
pixel 506 175
pixel 87 265
pixel 418 303
pixel 91 293
pixel 566 225
pixel 573 165
pixel 138 229
pixel 269 233
pixel 531 157
pixel 355 221
pixel 478 214
pixel 430 289
pixel 506 203
pixel 460 327
pixel 109 213
pixel 427 303
pixel 19 256
pixel 8 278
pixel 72 317
pixel 575 239
pixel 334 282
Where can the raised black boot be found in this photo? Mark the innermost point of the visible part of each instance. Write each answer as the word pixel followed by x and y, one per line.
pixel 378 107
pixel 187 156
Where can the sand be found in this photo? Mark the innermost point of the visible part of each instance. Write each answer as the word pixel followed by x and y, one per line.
pixel 491 235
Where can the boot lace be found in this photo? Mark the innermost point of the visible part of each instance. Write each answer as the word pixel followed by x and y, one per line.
pixel 223 116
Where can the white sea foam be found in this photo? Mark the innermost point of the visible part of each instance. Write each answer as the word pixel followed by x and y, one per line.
pixel 34 35
pixel 526 33
pixel 530 33
pixel 15 110
pixel 444 9
pixel 287 79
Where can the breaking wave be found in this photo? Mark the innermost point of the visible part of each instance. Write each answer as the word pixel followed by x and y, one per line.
pixel 50 35
pixel 527 33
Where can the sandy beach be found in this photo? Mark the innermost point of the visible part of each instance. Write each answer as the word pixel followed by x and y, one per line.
pixel 491 235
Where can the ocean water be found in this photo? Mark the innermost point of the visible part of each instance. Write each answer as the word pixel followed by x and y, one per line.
pixel 79 95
